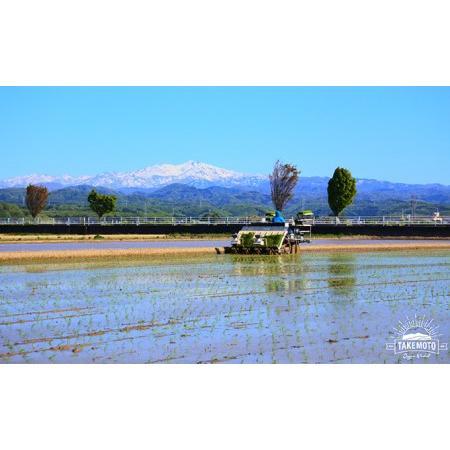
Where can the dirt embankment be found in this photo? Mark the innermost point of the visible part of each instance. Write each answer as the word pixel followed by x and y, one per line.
pixel 54 239
pixel 60 255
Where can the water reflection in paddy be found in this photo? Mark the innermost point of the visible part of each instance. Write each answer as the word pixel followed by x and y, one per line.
pixel 331 307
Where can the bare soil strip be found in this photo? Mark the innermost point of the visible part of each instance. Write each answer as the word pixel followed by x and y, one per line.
pixel 55 239
pixel 60 255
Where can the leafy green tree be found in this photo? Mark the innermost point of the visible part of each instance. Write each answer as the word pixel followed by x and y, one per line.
pixel 101 204
pixel 341 190
pixel 212 214
pixel 10 211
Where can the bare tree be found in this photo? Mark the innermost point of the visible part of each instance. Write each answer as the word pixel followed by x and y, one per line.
pixel 282 183
pixel 36 199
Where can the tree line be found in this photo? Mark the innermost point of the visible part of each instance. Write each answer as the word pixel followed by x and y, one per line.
pixel 36 200
pixel 283 180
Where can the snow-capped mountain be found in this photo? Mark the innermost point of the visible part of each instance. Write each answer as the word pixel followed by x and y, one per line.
pixel 202 175
pixel 192 173
pixel 417 337
pixel 46 180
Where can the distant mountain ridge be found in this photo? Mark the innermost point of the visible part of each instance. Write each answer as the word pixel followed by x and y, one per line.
pixel 378 190
pixel 191 201
pixel 202 175
pixel 191 173
pixel 195 187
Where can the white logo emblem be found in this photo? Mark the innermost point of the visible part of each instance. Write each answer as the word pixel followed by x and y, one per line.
pixel 416 338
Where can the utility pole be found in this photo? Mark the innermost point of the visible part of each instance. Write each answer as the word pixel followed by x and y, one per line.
pixel 413 205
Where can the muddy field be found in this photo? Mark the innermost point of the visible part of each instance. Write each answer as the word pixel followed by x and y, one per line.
pixel 310 308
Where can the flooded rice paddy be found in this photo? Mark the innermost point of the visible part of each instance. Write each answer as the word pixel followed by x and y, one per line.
pixel 191 243
pixel 309 308
pixel 45 246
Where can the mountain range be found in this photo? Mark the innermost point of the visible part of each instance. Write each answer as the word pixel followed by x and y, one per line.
pixel 196 188
pixel 191 173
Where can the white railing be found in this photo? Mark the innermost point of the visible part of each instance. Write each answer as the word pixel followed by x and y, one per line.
pixel 382 220
pixel 131 221
pixel 323 220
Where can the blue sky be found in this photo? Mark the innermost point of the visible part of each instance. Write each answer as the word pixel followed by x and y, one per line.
pixel 397 134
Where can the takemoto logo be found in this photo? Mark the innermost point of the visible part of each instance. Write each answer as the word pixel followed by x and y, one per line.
pixel 416 338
